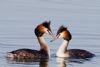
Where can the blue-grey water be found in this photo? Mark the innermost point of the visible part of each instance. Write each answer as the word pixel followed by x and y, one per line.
pixel 18 18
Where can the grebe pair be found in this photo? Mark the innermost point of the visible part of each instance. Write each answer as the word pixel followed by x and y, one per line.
pixel 44 51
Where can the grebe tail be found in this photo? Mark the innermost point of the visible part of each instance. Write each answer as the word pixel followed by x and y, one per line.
pixel 44 51
pixel 63 51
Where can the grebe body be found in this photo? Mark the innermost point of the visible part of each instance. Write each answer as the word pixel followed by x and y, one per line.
pixel 44 51
pixel 27 54
pixel 80 53
pixel 63 50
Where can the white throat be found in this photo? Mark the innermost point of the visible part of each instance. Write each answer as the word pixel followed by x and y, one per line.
pixel 44 45
pixel 62 49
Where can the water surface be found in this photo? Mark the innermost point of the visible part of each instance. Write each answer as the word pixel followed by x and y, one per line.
pixel 18 18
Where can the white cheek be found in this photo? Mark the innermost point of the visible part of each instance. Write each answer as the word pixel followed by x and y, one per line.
pixel 46 31
pixel 61 35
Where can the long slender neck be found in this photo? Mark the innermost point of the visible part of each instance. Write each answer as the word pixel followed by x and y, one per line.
pixel 63 46
pixel 62 49
pixel 43 45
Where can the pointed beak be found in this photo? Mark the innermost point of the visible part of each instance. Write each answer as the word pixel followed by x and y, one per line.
pixel 57 36
pixel 50 33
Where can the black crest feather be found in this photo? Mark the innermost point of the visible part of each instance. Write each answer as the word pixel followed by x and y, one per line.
pixel 46 24
pixel 61 29
pixel 68 34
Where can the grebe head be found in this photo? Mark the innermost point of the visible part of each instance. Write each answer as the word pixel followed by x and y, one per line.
pixel 64 33
pixel 43 28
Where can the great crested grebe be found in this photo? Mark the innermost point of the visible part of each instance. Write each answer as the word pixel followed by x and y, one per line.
pixel 64 33
pixel 44 51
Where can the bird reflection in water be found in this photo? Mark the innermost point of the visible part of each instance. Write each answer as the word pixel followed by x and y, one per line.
pixel 41 62
pixel 64 62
